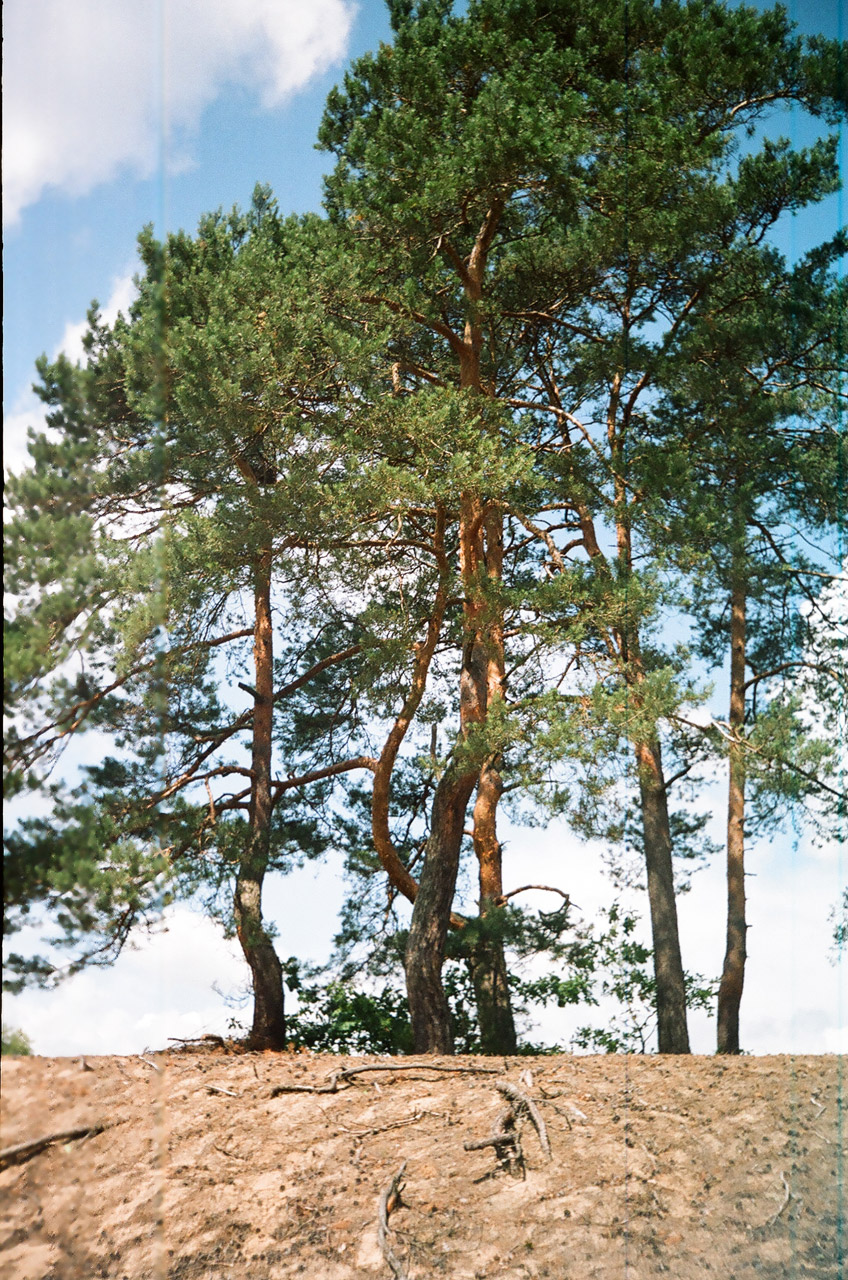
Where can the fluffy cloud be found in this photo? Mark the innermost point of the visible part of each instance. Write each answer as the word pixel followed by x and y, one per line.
pixel 183 980
pixel 27 411
pixel 100 86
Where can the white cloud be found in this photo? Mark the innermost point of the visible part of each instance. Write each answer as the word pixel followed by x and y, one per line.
pixel 122 294
pixel 27 410
pixel 100 86
pixel 162 987
pixel 178 981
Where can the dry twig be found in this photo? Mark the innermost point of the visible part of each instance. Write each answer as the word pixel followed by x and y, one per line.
pixel 25 1150
pixel 344 1077
pixel 209 1041
pixel 383 1128
pixel 389 1201
pixel 787 1197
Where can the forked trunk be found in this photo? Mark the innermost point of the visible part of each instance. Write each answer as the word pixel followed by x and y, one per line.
pixel 425 950
pixel 480 534
pixel 269 1025
pixel 672 1032
pixel 733 974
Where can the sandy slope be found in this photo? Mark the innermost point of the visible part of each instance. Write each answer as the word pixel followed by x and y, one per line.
pixel 680 1167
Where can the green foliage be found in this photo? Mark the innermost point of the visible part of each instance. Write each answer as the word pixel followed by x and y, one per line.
pixel 336 1017
pixel 15 1042
pixel 623 973
pixel 839 923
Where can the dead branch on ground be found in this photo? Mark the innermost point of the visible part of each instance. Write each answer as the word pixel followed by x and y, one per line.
pixel 338 1078
pixel 389 1201
pixel 787 1197
pixel 207 1042
pixel 383 1128
pixel 25 1150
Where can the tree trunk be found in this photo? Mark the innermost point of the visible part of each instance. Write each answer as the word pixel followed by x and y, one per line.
pixel 672 1030
pixel 482 647
pixel 673 1036
pixel 487 967
pixel 733 974
pixel 425 949
pixel 487 961
pixel 269 1024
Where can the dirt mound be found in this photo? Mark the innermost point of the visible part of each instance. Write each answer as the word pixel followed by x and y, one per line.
pixel 263 1166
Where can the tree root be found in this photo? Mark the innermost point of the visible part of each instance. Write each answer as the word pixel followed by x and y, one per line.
pixel 338 1078
pixel 506 1140
pixel 523 1102
pixel 389 1201
pixel 506 1133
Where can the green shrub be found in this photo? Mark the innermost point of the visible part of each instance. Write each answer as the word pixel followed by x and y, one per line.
pixel 16 1042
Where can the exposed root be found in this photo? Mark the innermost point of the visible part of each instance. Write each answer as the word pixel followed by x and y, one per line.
pixel 506 1133
pixel 339 1078
pixel 390 1199
pixel 506 1140
pixel 523 1102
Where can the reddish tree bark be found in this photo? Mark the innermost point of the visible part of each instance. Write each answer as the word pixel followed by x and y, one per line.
pixel 269 1024
pixel 733 973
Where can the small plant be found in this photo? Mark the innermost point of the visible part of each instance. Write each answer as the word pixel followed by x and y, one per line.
pixel 15 1042
pixel 339 1018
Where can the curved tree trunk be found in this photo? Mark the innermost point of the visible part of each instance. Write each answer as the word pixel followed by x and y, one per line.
pixel 481 678
pixel 269 1024
pixel 733 974
pixel 425 949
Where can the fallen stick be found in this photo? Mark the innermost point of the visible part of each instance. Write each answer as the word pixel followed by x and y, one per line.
pixel 383 1128
pixel 773 1219
pixel 390 1200
pixel 217 1041
pixel 526 1103
pixel 148 1063
pixel 25 1150
pixel 216 1088
pixel 344 1077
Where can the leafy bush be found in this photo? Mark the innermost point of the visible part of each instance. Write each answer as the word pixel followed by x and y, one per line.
pixel 15 1041
pixel 338 1018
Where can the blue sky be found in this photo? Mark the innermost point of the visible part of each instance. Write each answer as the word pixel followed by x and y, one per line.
pixel 112 158
pixel 124 112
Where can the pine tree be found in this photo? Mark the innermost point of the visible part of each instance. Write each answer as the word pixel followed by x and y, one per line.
pixel 536 189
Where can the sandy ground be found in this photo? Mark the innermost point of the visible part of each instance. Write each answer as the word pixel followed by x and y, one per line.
pixel 680 1167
